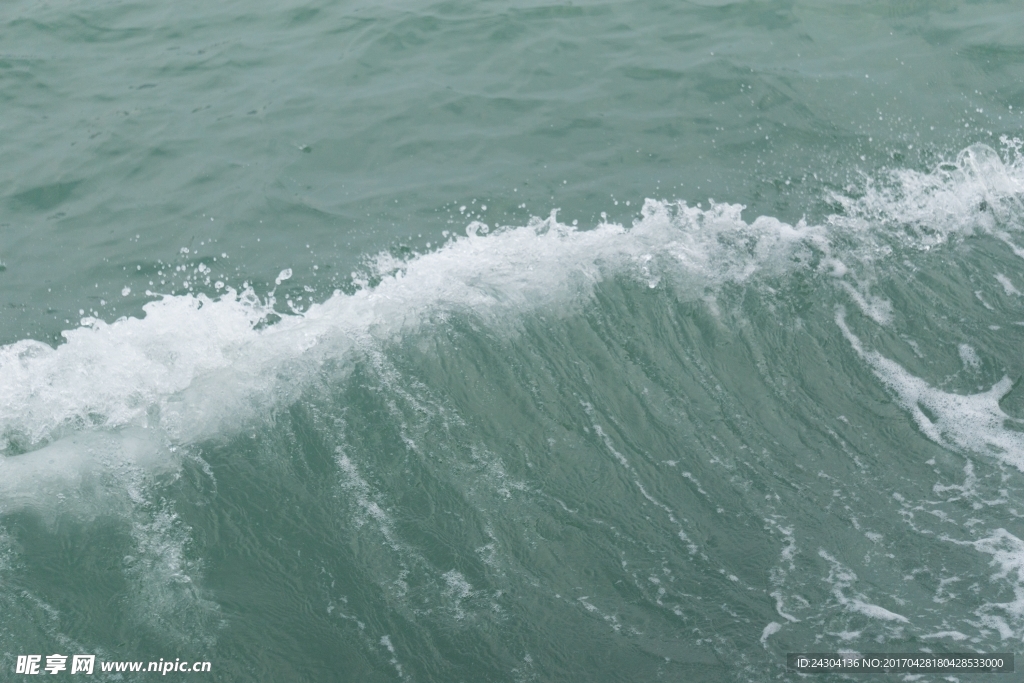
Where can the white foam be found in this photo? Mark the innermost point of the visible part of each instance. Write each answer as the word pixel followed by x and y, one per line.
pixel 963 422
pixel 771 629
pixel 1007 551
pixel 1007 285
pixel 969 356
pixel 970 424
pixel 875 612
pixel 842 580
pixel 386 642
pixel 951 635
pixel 874 307
pixel 779 607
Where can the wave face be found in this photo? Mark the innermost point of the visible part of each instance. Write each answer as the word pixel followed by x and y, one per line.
pixel 666 450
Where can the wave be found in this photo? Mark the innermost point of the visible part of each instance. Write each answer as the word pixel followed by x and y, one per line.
pixel 194 365
pixel 125 415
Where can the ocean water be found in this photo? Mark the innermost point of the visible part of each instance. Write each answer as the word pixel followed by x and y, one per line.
pixel 486 341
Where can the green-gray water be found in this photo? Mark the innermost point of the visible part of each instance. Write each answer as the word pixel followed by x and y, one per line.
pixel 450 341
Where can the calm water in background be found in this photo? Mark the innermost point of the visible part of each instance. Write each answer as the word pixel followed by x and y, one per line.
pixel 443 341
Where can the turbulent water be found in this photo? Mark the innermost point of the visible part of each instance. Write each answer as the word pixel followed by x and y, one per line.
pixel 449 341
